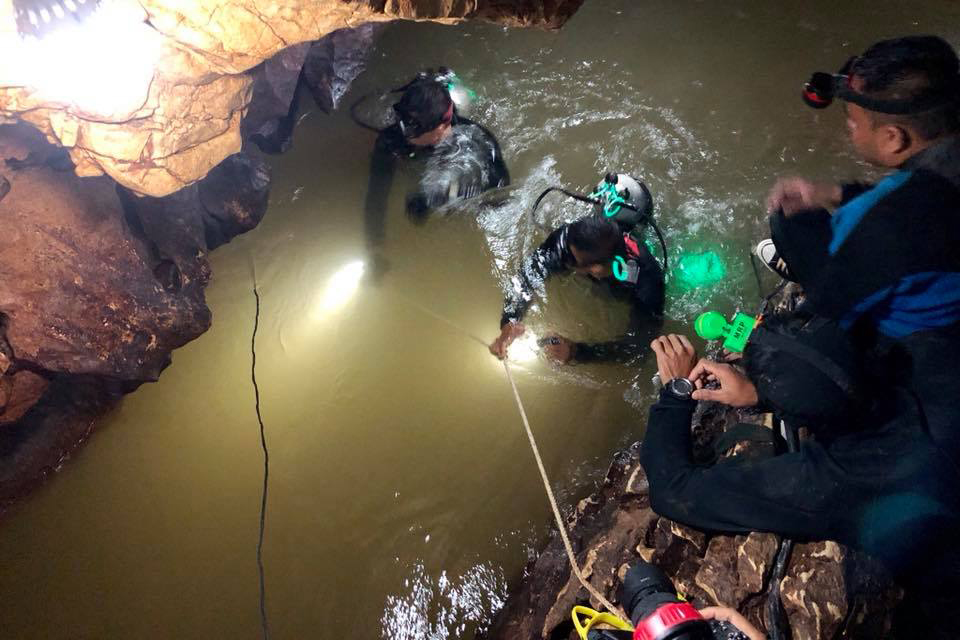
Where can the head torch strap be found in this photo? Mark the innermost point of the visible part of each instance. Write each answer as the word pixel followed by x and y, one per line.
pixel 820 91
pixel 809 355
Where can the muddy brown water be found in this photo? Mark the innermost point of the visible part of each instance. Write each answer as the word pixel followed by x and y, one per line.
pixel 403 496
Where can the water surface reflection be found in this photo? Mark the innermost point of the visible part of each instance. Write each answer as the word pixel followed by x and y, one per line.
pixel 404 498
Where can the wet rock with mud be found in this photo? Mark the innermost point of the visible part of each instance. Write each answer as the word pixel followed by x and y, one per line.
pixel 828 590
pixel 97 285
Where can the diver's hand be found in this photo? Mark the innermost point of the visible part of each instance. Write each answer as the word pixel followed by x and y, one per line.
pixel 676 357
pixel 559 349
pixel 797 194
pixel 726 614
pixel 508 333
pixel 735 389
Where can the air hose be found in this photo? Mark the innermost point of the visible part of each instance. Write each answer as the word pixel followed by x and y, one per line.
pixel 532 217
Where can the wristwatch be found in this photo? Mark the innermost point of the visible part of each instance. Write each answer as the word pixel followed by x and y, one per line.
pixel 680 388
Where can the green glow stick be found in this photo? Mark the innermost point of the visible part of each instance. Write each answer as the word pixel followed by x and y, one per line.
pixel 713 326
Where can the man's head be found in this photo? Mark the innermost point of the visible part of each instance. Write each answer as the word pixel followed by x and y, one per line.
pixel 594 241
pixel 919 72
pixel 424 112
pixel 806 368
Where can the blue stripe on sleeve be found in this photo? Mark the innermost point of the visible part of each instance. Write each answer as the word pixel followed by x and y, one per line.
pixel 846 218
pixel 920 301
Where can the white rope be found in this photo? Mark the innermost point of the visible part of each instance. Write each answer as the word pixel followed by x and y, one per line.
pixel 553 504
pixel 536 454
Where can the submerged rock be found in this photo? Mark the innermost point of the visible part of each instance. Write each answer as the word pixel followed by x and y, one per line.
pixel 828 591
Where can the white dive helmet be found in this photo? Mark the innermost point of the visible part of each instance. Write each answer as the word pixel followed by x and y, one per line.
pixel 631 190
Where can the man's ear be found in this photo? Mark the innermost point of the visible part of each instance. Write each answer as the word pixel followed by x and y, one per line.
pixel 895 139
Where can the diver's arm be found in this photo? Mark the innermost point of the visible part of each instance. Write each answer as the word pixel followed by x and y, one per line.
pixel 623 350
pixel 546 261
pixel 382 167
pixel 501 175
pixel 644 326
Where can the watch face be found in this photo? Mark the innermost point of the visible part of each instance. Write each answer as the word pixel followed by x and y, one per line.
pixel 681 387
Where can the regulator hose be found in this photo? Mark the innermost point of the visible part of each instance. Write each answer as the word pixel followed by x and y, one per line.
pixel 532 215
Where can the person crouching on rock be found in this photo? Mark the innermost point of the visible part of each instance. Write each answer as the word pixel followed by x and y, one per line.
pixel 879 473
pixel 455 157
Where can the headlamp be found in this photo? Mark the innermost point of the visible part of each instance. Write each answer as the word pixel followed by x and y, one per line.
pixel 37 18
pixel 822 88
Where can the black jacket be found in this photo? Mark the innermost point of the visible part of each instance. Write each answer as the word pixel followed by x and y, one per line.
pixel 892 257
pixel 889 485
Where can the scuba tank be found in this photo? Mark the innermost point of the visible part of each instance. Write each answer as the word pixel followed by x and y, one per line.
pixel 623 199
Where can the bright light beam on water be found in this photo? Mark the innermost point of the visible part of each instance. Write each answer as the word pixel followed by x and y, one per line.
pixel 341 286
pixel 524 348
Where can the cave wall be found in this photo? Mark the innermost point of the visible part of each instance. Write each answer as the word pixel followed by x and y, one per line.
pixel 185 118
pixel 108 219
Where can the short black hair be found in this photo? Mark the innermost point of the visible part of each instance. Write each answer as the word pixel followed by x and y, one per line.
pixel 910 68
pixel 599 239
pixel 423 105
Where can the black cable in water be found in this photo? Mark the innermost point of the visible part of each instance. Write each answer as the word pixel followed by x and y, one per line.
pixel 266 467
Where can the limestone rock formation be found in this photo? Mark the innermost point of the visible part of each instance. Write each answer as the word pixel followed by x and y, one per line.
pixel 98 286
pixel 325 68
pixel 181 110
pixel 828 591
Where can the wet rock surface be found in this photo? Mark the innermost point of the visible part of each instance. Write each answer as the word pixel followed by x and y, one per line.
pixel 324 68
pixel 97 287
pixel 828 590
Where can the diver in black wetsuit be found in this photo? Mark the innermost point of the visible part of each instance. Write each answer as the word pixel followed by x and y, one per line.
pixel 458 157
pixel 592 246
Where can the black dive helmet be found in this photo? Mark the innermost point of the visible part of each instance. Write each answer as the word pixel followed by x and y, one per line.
pixel 621 198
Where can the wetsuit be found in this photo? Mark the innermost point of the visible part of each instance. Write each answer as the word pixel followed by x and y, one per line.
pixel 645 296
pixel 467 162
pixel 888 485
pixel 888 256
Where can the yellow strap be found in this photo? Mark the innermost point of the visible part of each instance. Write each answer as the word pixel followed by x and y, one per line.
pixel 592 618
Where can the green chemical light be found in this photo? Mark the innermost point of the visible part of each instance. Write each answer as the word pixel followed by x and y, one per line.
pixel 698 270
pixel 713 326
